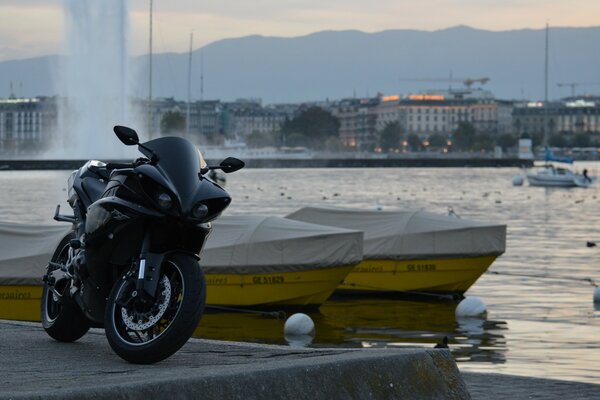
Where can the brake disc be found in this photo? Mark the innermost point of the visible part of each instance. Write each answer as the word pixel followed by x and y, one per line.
pixel 140 321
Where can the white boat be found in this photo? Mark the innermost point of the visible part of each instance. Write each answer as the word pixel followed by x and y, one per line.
pixel 554 176
pixel 551 176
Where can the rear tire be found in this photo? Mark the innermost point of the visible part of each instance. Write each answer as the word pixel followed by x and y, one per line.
pixel 63 320
pixel 151 333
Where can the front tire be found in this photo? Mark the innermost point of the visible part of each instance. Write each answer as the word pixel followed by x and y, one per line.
pixel 62 319
pixel 147 333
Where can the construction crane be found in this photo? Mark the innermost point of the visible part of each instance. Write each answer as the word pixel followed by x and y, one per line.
pixel 573 85
pixel 468 82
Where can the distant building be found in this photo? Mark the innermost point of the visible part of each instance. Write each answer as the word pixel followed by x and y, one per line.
pixel 205 118
pixel 388 111
pixel 441 112
pixel 425 114
pixel 570 116
pixel 204 121
pixel 26 124
pixel 358 122
pixel 241 118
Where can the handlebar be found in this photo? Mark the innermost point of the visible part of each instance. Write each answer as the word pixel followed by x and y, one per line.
pixel 111 166
pixel 136 163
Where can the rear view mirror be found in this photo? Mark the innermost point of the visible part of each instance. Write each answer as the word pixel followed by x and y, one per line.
pixel 231 164
pixel 126 135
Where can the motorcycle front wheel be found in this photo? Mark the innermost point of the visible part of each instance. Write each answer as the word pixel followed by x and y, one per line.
pixel 145 332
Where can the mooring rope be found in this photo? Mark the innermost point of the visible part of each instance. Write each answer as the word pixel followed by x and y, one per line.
pixel 378 289
pixel 280 315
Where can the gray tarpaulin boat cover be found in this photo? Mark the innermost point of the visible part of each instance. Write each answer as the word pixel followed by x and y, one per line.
pixel 25 251
pixel 237 244
pixel 406 235
pixel 263 244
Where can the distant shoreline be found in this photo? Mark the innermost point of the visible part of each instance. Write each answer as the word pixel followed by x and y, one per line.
pixel 24 165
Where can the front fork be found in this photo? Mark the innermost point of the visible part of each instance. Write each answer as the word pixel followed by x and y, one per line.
pixel 149 267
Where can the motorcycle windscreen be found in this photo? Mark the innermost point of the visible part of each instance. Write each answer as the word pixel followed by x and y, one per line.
pixel 179 161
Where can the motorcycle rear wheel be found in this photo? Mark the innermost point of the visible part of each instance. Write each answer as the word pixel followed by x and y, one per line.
pixel 61 318
pixel 148 333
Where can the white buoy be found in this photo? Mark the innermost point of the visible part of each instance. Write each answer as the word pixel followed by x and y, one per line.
pixel 597 294
pixel 517 180
pixel 299 330
pixel 470 307
pixel 299 325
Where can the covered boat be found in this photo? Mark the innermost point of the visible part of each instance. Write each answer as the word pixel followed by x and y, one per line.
pixel 248 261
pixel 274 261
pixel 24 253
pixel 414 251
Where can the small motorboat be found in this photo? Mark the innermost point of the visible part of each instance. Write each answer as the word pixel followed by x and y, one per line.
pixel 24 254
pixel 414 252
pixel 247 261
pixel 252 260
pixel 551 175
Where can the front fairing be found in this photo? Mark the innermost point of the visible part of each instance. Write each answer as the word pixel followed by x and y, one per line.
pixel 178 172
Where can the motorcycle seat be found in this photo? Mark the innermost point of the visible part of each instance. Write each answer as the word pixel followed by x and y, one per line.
pixel 93 188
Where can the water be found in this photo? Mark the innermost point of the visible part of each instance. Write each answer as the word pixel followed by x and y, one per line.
pixel 542 327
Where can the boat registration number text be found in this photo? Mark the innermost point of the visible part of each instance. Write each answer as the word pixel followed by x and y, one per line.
pixel 262 280
pixel 216 281
pixel 15 295
pixel 369 269
pixel 420 267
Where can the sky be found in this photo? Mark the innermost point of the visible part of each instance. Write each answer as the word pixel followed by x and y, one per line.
pixel 30 28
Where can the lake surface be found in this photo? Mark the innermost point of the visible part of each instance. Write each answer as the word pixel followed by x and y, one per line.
pixel 544 325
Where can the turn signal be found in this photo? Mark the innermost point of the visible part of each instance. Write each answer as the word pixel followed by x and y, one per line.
pixel 164 201
pixel 199 211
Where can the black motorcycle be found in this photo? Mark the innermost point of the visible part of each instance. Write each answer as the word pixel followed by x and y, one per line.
pixel 130 264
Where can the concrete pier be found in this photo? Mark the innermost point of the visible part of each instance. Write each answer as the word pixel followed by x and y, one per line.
pixel 421 162
pixel 35 366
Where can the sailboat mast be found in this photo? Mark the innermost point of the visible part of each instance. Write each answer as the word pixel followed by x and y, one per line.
pixel 150 75
pixel 189 87
pixel 201 93
pixel 546 68
pixel 201 76
pixel 545 116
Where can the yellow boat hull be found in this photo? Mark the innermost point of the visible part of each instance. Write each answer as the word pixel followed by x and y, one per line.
pixel 20 303
pixel 444 275
pixel 304 288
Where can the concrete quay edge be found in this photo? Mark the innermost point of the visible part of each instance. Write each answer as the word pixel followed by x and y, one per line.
pixel 32 365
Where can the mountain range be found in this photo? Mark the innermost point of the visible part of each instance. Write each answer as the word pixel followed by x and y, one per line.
pixel 338 64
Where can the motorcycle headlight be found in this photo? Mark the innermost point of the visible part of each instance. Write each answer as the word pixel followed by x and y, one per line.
pixel 199 211
pixel 165 201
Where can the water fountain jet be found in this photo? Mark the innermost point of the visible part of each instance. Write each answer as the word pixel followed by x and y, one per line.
pixel 94 80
